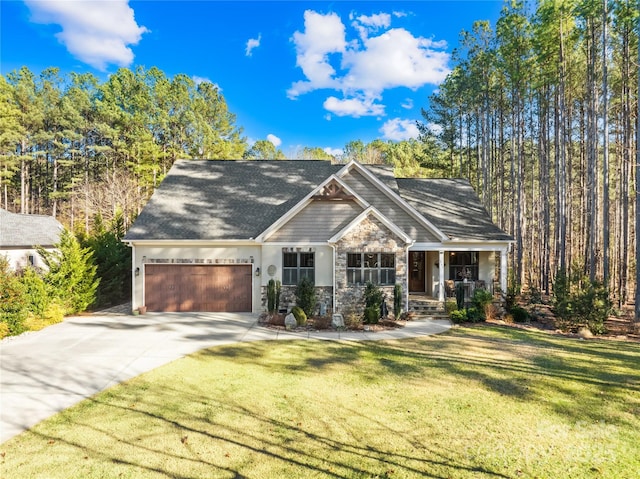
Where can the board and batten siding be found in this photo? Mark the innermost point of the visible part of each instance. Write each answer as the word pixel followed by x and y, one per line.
pixel 390 209
pixel 317 222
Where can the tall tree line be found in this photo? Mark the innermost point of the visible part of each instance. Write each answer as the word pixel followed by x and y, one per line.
pixel 540 114
pixel 73 147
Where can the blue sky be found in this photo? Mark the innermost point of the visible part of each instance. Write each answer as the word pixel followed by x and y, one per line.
pixel 316 74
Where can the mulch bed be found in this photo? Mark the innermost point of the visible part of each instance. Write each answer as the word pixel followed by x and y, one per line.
pixel 542 319
pixel 323 323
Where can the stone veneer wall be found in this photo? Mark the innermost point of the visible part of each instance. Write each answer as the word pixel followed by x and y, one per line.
pixel 324 294
pixel 370 236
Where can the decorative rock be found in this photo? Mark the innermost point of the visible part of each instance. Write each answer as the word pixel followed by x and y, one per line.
pixel 290 321
pixel 585 333
pixel 337 321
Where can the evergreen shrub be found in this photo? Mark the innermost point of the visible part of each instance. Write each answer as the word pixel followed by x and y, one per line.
pixel 306 296
pixel 301 317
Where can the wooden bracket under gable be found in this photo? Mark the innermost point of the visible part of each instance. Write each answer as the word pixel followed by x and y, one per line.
pixel 333 191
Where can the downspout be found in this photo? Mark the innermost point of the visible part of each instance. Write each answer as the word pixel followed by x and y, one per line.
pixel 133 274
pixel 333 275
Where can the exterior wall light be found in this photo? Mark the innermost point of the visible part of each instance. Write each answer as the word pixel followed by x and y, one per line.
pixel 137 271
pixel 257 271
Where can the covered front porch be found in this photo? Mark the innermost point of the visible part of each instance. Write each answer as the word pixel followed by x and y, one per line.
pixel 436 273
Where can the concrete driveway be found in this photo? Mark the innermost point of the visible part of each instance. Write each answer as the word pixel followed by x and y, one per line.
pixel 48 371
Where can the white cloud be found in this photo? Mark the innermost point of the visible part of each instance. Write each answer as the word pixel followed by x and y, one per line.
pixel 355 107
pixel 96 32
pixel 333 151
pixel 198 79
pixel 274 140
pixel 434 128
pixel 398 129
pixel 323 35
pixel 395 59
pixel 375 21
pixel 362 69
pixel 251 44
pixel 369 24
pixel 408 104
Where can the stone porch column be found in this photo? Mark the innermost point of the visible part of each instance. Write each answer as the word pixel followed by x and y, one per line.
pixel 441 275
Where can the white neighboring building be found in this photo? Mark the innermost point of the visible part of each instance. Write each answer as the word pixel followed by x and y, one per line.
pixel 20 234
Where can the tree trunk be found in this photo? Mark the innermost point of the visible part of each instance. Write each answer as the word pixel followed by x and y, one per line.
pixel 637 191
pixel 605 151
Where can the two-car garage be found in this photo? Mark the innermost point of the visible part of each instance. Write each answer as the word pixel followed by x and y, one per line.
pixel 198 287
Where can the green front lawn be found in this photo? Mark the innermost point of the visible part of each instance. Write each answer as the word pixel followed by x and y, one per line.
pixel 475 402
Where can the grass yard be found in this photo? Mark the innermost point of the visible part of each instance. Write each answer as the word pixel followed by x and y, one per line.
pixel 477 402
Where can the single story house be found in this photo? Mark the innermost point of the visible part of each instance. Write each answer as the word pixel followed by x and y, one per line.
pixel 216 231
pixel 20 234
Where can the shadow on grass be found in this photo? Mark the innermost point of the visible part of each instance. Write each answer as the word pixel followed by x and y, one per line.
pixel 524 366
pixel 323 453
pixel 520 364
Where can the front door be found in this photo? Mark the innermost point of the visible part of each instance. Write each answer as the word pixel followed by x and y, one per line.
pixel 416 271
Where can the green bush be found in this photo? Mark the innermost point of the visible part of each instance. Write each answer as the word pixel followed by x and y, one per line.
pixel 112 258
pixel 592 306
pixel 371 315
pixel 458 316
pixel 373 295
pixel 474 315
pixel 52 315
pixel 397 300
pixel 519 314
pixel 271 296
pixel 278 291
pixel 35 289
pixel 71 276
pixel 449 306
pixel 513 290
pixel 13 307
pixel 306 296
pixel 561 299
pixel 481 299
pixel 579 302
pixel 301 317
pixel 4 330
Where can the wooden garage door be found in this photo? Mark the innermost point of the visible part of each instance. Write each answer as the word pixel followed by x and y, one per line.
pixel 173 287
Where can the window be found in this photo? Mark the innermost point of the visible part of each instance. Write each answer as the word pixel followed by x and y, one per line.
pixel 463 265
pixel 377 268
pixel 296 266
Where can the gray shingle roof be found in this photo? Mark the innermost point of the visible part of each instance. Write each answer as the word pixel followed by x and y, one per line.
pixel 18 230
pixel 226 199
pixel 237 199
pixel 453 207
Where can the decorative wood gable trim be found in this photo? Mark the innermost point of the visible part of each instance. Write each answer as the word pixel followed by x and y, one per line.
pixel 393 196
pixel 340 185
pixel 334 191
pixel 371 211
